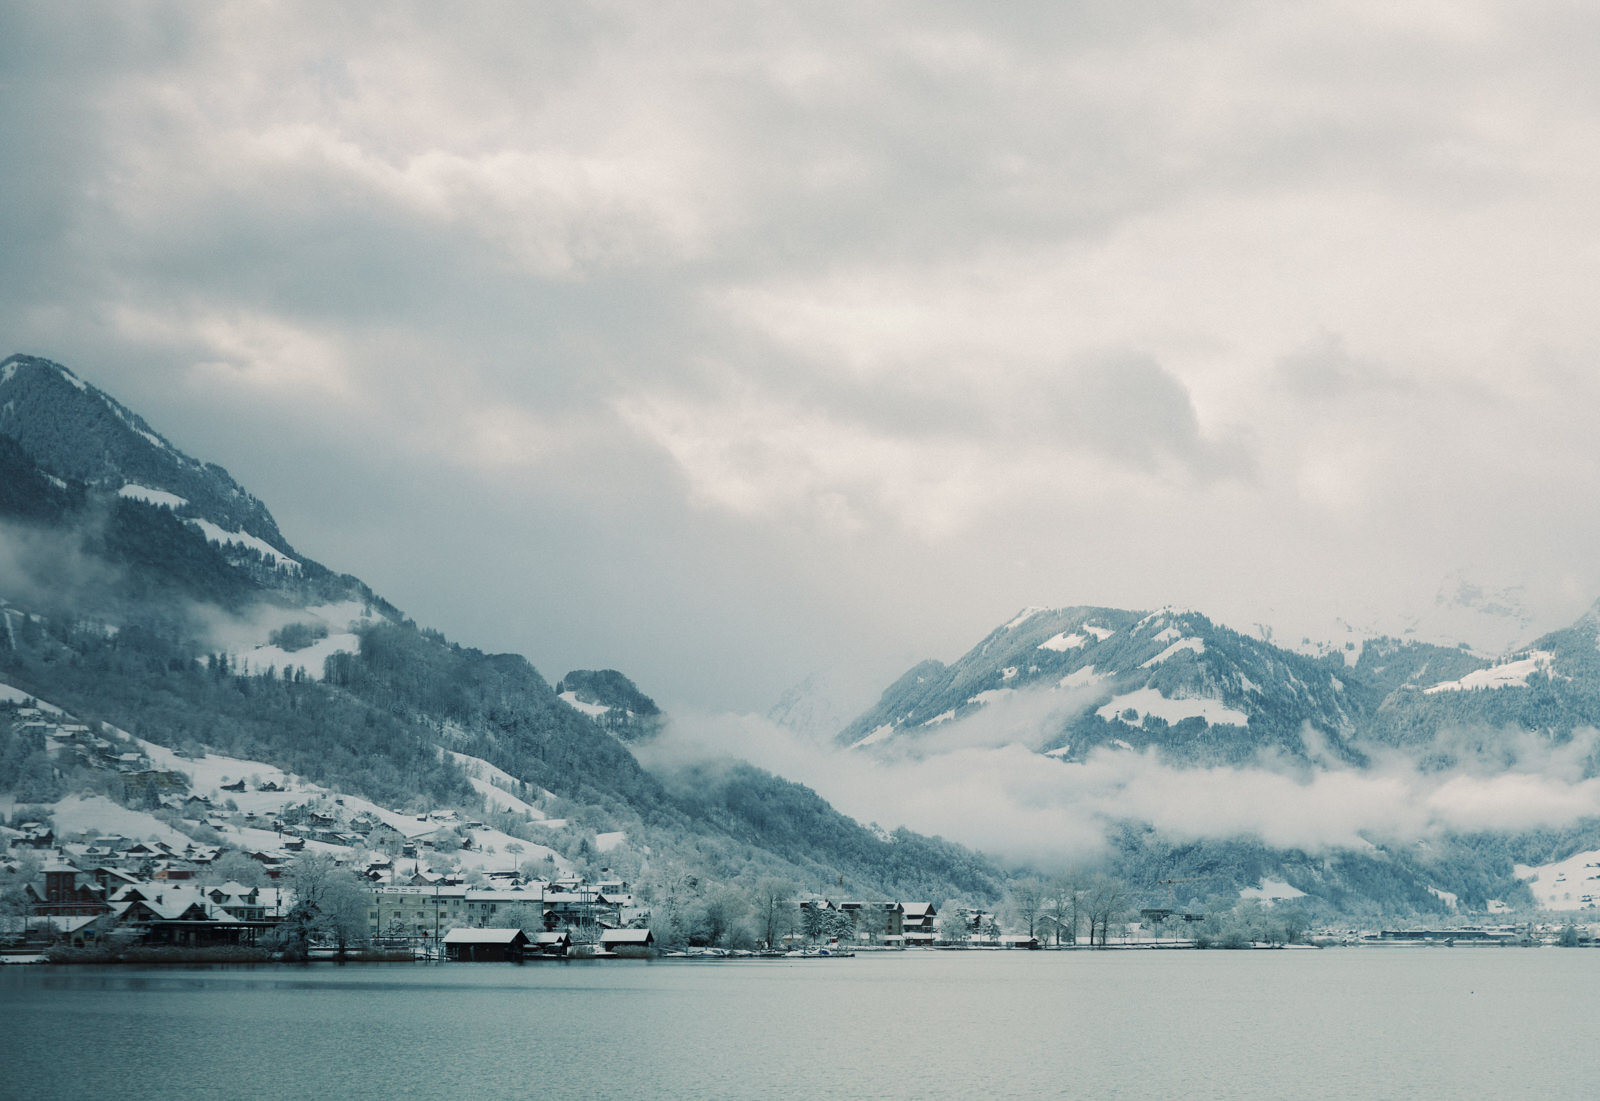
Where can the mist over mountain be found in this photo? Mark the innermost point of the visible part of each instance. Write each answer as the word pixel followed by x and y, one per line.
pixel 147 590
pixel 1389 773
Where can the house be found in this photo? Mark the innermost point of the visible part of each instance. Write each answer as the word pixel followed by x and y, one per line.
pixel 36 835
pixel 65 894
pixel 485 945
pixel 553 943
pixel 875 922
pixel 917 922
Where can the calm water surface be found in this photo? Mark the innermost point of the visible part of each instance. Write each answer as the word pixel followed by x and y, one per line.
pixel 1424 1023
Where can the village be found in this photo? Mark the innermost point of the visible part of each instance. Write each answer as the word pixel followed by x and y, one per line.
pixel 207 854
pixel 202 855
pixel 116 891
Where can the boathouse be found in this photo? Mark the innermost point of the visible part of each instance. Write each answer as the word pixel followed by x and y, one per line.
pixel 485 945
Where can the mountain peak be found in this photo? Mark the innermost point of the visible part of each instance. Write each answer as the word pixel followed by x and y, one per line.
pixel 77 432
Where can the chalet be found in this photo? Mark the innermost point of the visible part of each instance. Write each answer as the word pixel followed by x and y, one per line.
pixel 171 870
pixel 875 922
pixel 237 785
pixel 36 835
pixel 485 945
pixel 917 922
pixel 67 892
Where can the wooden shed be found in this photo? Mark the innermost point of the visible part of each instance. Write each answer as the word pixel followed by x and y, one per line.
pixel 485 945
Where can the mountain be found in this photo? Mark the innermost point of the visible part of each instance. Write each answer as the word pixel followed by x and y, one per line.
pixel 612 701
pixel 1457 760
pixel 1169 679
pixel 78 433
pixel 1200 693
pixel 148 591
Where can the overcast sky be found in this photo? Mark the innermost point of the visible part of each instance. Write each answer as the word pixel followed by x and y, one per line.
pixel 721 342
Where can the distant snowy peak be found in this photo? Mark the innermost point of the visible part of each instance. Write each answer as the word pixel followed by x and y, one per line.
pixel 1488 620
pixel 1167 677
pixel 76 432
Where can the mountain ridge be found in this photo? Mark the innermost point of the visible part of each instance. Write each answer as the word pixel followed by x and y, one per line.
pixel 189 621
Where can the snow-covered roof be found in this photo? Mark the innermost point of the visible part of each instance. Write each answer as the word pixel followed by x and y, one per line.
pixel 625 936
pixel 483 936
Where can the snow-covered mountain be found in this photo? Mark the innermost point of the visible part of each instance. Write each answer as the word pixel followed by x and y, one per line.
pixel 1201 693
pixel 1171 679
pixel 148 591
pixel 79 433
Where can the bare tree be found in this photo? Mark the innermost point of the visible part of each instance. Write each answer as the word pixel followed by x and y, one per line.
pixel 343 911
pixel 329 901
pixel 1027 903
pixel 775 911
pixel 1105 901
pixel 1063 905
pixel 953 923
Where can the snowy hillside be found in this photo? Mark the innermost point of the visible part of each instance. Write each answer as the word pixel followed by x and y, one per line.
pixel 1171 679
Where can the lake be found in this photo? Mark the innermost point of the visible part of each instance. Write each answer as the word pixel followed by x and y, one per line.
pixel 1342 1023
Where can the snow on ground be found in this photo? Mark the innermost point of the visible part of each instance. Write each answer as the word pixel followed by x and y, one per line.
pixel 1269 890
pixel 345 615
pixel 605 842
pixel 1100 633
pixel 1023 617
pixel 990 695
pixel 1059 751
pixel 1194 645
pixel 877 735
pixel 1570 884
pixel 941 717
pixel 219 535
pixel 311 658
pixel 1150 701
pixel 1081 678
pixel 495 851
pixel 1063 642
pixel 9 694
pixel 249 648
pixel 80 813
pixel 152 496
pixel 594 710
pixel 1511 674
pixel 491 783
pixel 207 774
pixel 1449 898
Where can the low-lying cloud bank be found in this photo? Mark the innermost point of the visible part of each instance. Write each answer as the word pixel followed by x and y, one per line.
pixel 982 783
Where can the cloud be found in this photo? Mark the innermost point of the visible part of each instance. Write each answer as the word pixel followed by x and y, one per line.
pixel 979 781
pixel 932 310
pixel 45 570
